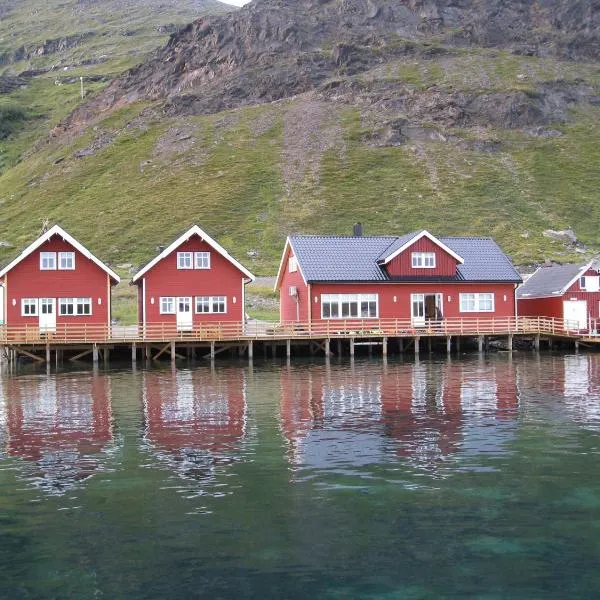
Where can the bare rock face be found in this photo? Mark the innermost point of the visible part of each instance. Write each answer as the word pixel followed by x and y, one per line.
pixel 273 49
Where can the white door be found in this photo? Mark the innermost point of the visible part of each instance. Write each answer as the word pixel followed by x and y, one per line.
pixel 184 314
pixel 47 308
pixel 575 314
pixel 418 310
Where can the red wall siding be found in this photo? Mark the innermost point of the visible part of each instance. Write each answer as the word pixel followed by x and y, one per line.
pixel 222 279
pixel 88 280
pixel 445 265
pixel 401 309
pixel 541 307
pixel 292 309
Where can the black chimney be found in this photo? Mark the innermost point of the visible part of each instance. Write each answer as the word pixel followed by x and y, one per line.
pixel 358 230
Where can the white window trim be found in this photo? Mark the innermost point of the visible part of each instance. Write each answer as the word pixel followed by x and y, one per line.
pixel 47 255
pixel 30 301
pixel 477 299
pixel 59 259
pixel 180 256
pixel 293 264
pixel 419 257
pixel 173 299
pixel 211 302
pixel 197 255
pixel 582 282
pixel 342 298
pixel 75 302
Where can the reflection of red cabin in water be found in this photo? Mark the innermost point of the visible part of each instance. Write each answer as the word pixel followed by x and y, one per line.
pixel 424 406
pixel 59 424
pixel 194 410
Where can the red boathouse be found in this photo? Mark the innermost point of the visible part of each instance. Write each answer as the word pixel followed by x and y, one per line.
pixel 56 281
pixel 193 281
pixel 417 277
pixel 570 292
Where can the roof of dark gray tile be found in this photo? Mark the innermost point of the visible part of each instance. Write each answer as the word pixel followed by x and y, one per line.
pixel 549 280
pixel 340 258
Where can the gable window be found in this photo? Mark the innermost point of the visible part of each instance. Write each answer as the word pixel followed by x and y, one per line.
pixel 167 306
pixel 589 283
pixel 202 260
pixel 423 260
pixel 211 304
pixel 349 306
pixel 66 261
pixel 48 261
pixel 184 260
pixel 29 307
pixel 477 302
pixel 292 264
pixel 582 283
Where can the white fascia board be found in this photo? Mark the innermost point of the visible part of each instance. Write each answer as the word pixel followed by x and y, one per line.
pixel 579 274
pixel 195 230
pixel 57 230
pixel 288 245
pixel 423 234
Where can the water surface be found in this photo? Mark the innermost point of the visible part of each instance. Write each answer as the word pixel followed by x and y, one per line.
pixel 463 478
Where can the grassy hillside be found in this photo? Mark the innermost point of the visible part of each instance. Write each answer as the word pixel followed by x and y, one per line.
pixel 251 176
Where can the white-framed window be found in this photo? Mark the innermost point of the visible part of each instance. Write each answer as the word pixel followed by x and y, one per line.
pixel 46 306
pixel 482 302
pixel 47 261
pixel 74 306
pixel 349 306
pixel 582 283
pixel 202 260
pixel 167 305
pixel 423 260
pixel 292 264
pixel 184 260
pixel 29 307
pixel 589 283
pixel 66 261
pixel 211 304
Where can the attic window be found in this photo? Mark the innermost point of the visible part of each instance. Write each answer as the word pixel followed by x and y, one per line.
pixel 293 264
pixel 582 283
pixel 589 283
pixel 423 260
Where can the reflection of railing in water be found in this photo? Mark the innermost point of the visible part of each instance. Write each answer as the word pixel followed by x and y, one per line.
pixel 263 331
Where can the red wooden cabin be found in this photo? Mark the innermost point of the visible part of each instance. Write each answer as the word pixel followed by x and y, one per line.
pixel 416 277
pixel 193 281
pixel 570 292
pixel 56 281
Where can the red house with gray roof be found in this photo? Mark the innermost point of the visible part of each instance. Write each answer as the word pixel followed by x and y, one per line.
pixel 417 277
pixel 570 292
pixel 193 281
pixel 56 282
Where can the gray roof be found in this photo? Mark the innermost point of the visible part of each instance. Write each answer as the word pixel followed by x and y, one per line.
pixel 397 244
pixel 550 280
pixel 339 258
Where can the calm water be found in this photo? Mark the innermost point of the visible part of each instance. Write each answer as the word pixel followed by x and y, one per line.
pixel 470 478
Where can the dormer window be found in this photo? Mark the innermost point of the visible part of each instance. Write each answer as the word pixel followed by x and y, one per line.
pixel 423 260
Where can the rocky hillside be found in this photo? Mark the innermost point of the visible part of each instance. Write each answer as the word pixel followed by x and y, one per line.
pixel 309 115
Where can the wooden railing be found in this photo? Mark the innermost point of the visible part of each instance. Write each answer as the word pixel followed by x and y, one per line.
pixel 258 330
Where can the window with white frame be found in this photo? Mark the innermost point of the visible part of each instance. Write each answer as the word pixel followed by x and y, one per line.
pixel 423 260
pixel 582 283
pixel 29 307
pixel 482 302
pixel 202 260
pixel 66 261
pixel 184 260
pixel 211 304
pixel 167 305
pixel 293 264
pixel 74 306
pixel 48 261
pixel 349 306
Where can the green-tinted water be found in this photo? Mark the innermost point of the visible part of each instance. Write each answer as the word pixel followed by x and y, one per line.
pixel 474 478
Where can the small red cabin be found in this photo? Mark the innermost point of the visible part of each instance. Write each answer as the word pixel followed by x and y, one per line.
pixel 193 281
pixel 570 292
pixel 54 282
pixel 416 277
